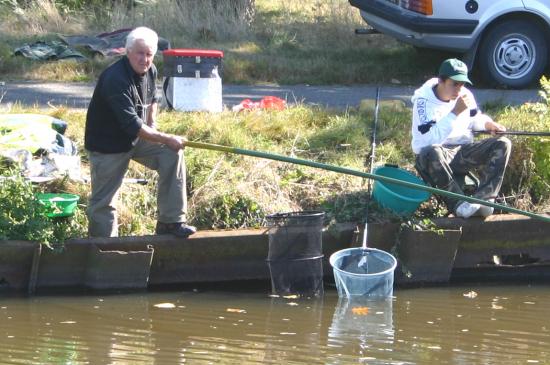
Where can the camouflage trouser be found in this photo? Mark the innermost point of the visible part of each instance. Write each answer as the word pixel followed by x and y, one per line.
pixel 439 166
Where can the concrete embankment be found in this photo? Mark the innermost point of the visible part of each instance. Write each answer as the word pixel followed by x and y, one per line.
pixel 500 247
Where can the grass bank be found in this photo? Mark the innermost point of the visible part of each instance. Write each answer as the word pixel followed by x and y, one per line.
pixel 285 42
pixel 231 191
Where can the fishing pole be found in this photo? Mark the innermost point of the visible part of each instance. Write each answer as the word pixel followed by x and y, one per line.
pixel 516 133
pixel 363 262
pixel 347 171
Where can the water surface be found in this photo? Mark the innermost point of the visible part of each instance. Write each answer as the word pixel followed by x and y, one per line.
pixel 456 325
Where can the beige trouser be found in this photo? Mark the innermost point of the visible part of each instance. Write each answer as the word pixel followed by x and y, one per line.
pixel 108 170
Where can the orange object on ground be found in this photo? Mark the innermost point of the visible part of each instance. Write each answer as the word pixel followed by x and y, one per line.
pixel 267 102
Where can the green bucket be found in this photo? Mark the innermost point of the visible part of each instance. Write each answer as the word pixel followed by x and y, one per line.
pixel 400 199
pixel 58 204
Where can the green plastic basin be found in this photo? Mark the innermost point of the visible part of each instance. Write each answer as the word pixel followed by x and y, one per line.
pixel 58 204
pixel 400 199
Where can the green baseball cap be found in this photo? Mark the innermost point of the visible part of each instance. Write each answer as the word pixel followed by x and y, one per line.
pixel 455 70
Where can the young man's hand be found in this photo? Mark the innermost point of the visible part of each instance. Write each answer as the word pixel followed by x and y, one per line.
pixel 494 127
pixel 491 125
pixel 460 106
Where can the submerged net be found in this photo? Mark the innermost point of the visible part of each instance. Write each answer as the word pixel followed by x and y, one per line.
pixel 295 235
pixel 363 272
pixel 302 277
pixel 295 257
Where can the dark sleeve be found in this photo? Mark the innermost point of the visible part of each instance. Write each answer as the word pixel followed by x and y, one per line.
pixel 156 95
pixel 119 95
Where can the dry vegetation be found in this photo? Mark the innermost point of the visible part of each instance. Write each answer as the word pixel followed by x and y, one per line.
pixel 310 41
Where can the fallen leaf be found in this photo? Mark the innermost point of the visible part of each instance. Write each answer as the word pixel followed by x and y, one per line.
pixel 362 311
pixel 293 296
pixel 165 305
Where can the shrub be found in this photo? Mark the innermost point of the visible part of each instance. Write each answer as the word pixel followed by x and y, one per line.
pixel 22 217
pixel 229 211
pixel 528 174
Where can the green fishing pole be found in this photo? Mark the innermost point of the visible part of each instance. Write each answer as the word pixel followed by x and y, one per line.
pixel 347 171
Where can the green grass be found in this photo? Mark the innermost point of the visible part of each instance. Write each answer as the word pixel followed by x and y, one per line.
pixel 232 191
pixel 310 42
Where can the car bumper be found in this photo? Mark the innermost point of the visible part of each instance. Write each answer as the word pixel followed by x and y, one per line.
pixel 419 30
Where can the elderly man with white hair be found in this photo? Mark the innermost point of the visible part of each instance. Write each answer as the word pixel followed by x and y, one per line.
pixel 120 126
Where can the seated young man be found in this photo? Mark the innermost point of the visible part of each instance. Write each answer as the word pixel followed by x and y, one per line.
pixel 445 114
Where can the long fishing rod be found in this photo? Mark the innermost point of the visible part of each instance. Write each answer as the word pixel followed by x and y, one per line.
pixel 516 133
pixel 373 148
pixel 347 171
pixel 363 262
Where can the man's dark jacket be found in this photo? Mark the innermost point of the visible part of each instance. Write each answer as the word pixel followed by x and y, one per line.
pixel 113 120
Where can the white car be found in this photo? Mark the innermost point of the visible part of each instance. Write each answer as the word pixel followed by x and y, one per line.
pixel 507 39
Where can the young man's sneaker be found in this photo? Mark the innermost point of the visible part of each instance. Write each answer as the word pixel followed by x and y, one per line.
pixel 177 229
pixel 485 211
pixel 466 210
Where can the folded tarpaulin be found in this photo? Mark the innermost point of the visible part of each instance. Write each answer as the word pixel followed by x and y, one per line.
pixel 107 44
pixel 47 50
pixel 33 132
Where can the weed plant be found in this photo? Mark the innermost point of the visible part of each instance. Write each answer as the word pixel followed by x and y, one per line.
pixel 23 217
pixel 527 182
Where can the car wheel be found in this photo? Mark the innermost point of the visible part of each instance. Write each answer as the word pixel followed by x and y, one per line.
pixel 513 53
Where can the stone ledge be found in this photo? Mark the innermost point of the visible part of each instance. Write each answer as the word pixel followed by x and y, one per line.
pixel 217 256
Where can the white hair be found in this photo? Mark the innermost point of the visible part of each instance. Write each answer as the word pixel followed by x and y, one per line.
pixel 147 35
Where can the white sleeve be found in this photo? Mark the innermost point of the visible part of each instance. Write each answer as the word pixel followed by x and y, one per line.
pixel 426 130
pixel 478 123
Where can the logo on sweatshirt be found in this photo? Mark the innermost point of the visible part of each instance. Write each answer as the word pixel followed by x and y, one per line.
pixel 421 110
pixel 425 123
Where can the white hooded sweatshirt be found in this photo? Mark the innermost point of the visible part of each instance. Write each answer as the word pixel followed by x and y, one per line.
pixel 433 123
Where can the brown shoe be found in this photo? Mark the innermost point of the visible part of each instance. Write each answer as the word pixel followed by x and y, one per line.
pixel 177 229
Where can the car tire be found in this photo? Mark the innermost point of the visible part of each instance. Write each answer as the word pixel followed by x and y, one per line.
pixel 513 54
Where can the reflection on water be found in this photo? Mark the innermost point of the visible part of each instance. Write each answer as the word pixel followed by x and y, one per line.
pixel 499 325
pixel 367 322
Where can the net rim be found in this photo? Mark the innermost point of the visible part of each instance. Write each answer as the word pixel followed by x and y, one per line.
pixel 317 257
pixel 391 269
pixel 304 214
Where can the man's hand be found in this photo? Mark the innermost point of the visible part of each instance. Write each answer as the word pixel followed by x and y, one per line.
pixel 461 105
pixel 175 143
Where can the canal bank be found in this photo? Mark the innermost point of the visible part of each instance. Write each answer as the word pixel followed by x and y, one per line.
pixel 501 247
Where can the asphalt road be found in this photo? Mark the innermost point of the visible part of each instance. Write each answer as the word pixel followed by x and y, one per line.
pixel 77 95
